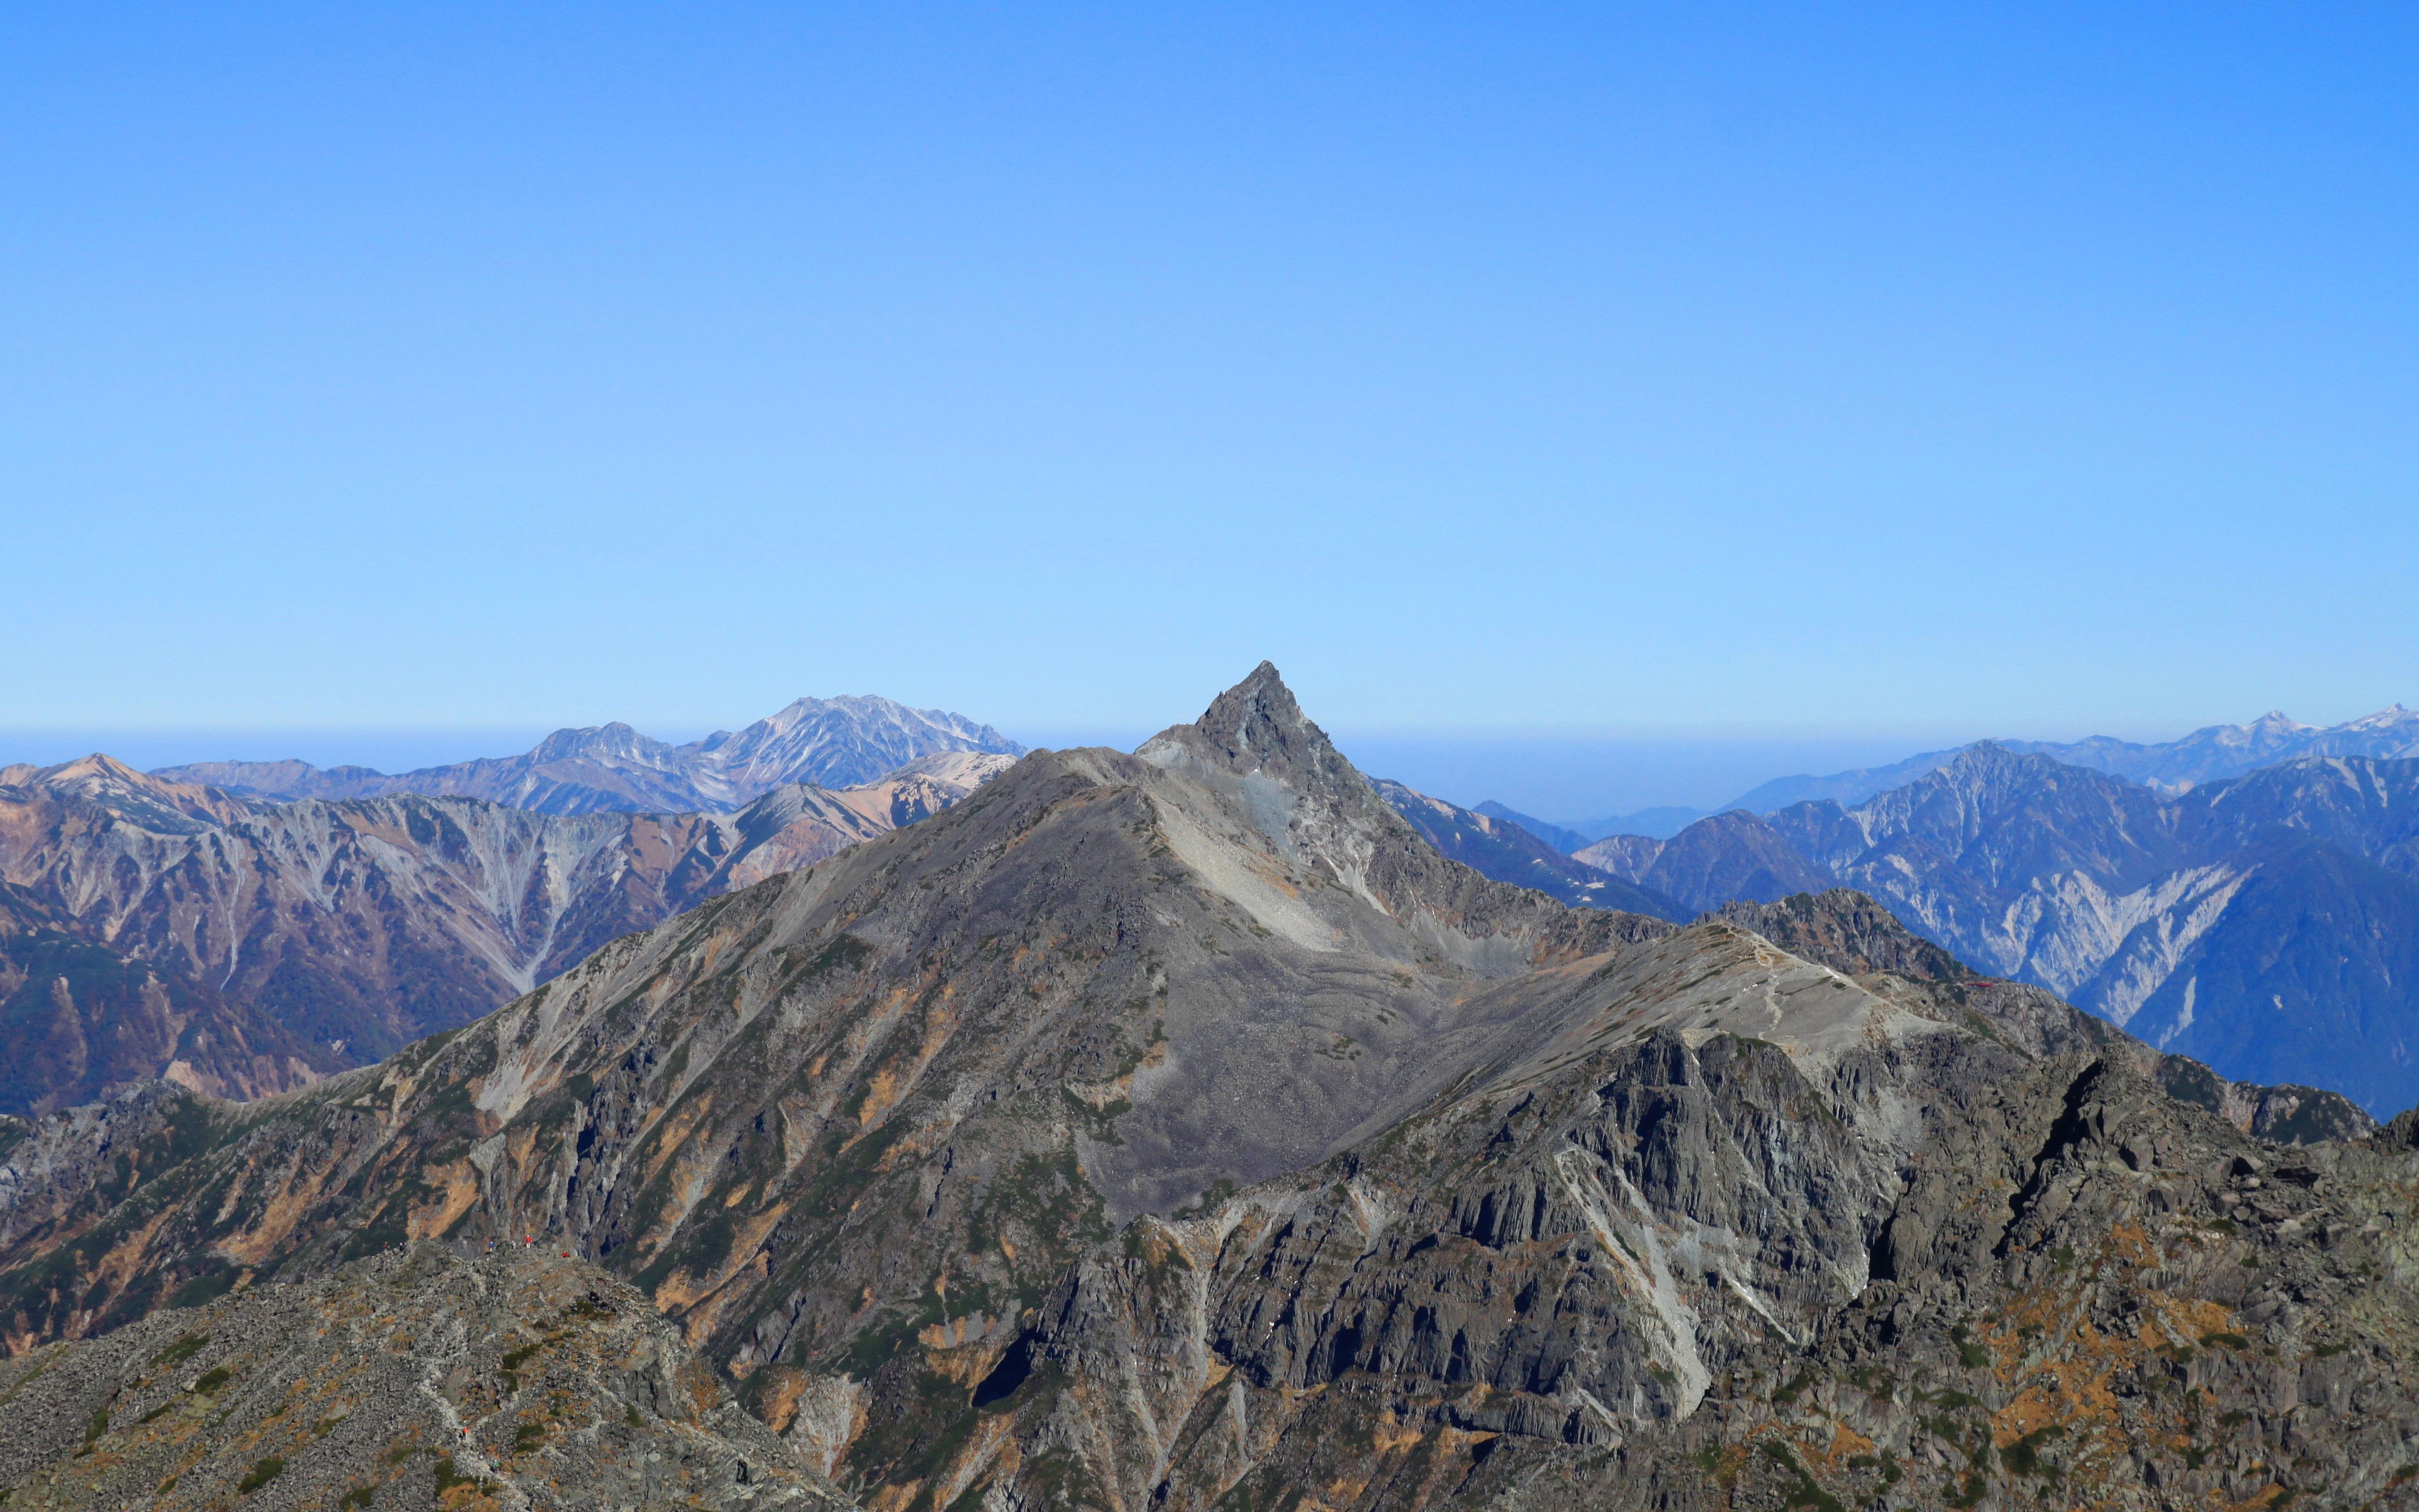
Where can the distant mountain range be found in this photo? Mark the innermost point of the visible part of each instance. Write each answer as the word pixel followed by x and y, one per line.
pixel 255 944
pixel 1501 848
pixel 2207 755
pixel 2267 924
pixel 829 743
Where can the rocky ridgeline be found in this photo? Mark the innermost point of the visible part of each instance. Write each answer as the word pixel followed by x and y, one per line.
pixel 825 743
pixel 524 1380
pixel 1671 1265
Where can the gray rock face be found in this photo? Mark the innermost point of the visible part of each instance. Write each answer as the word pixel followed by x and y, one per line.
pixel 833 743
pixel 1754 1237
pixel 417 1379
pixel 1850 933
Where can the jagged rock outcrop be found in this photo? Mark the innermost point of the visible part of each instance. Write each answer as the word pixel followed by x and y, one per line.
pixel 825 743
pixel 1753 1237
pixel 524 1380
pixel 1851 932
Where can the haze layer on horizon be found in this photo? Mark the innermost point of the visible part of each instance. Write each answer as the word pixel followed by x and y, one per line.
pixel 2023 369
pixel 1569 776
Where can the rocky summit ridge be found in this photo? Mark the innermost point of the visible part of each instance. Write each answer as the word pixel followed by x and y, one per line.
pixel 1180 1130
pixel 826 743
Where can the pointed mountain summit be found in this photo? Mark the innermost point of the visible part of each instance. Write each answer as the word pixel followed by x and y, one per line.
pixel 1256 726
pixel 1278 770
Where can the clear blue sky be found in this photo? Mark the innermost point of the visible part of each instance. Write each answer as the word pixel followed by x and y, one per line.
pixel 1866 372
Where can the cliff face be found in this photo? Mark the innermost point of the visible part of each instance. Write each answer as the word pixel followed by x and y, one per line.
pixel 1743 1233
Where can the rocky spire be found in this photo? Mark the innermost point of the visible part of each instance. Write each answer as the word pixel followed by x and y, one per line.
pixel 1257 726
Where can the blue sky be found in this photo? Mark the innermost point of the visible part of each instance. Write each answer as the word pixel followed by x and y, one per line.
pixel 1861 376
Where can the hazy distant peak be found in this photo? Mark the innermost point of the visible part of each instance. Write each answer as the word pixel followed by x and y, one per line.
pixel 2208 754
pixel 614 739
pixel 612 767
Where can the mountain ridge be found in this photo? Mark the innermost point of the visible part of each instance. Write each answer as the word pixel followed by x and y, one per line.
pixel 1509 851
pixel 830 743
pixel 2211 753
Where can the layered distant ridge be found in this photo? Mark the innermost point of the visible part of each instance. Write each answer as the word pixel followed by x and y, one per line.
pixel 320 933
pixel 829 743
pixel 2267 924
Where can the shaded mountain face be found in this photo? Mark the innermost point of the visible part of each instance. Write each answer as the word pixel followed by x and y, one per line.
pixel 1729 857
pixel 1506 851
pixel 1180 1128
pixel 1658 823
pixel 1703 1261
pixel 1564 841
pixel 2264 925
pixel 353 927
pixel 78 1021
pixel 416 1379
pixel 834 743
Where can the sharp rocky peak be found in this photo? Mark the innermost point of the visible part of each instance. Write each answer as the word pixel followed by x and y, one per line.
pixel 1256 726
pixel 1986 762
